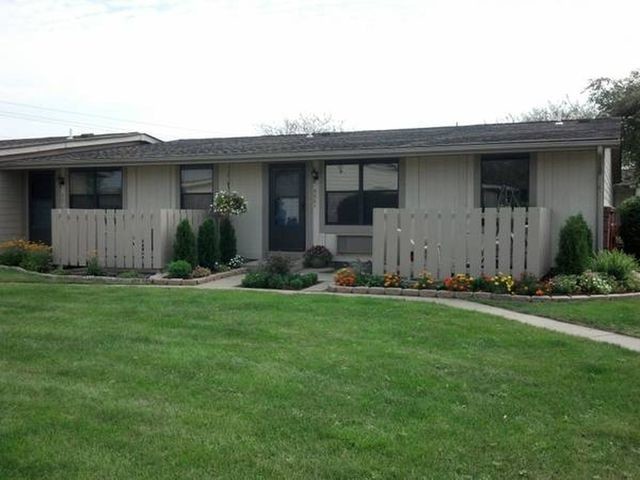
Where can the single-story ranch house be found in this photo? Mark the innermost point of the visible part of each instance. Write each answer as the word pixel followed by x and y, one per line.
pixel 322 188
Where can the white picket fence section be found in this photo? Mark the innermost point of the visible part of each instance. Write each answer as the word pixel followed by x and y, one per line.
pixel 128 239
pixel 445 242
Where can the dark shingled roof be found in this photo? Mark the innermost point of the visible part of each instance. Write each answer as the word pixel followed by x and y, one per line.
pixel 39 141
pixel 371 142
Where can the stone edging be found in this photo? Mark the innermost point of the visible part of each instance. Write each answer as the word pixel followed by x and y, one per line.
pixel 412 292
pixel 161 279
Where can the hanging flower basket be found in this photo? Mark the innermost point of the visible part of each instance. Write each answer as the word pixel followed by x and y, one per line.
pixel 227 203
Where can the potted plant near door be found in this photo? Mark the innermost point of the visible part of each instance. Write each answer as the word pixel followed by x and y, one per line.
pixel 227 203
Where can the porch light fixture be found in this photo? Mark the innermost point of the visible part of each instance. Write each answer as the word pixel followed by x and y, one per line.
pixel 314 174
pixel 61 181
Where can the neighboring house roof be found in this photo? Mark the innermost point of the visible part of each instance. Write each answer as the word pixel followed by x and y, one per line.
pixel 371 143
pixel 30 147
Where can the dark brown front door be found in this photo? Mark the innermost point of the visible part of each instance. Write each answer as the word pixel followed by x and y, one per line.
pixel 287 208
pixel 41 201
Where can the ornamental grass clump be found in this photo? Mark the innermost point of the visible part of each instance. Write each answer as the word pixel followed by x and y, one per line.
pixel 614 263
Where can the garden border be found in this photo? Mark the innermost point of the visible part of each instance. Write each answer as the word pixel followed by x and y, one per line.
pixel 155 279
pixel 414 292
pixel 162 279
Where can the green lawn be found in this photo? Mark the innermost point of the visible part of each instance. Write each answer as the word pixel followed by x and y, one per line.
pixel 144 382
pixel 621 315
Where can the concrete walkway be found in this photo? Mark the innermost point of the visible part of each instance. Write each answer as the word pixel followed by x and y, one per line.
pixel 624 341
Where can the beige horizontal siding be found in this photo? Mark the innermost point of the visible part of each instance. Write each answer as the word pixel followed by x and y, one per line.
pixel 13 217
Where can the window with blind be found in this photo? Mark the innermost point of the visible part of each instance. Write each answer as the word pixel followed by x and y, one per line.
pixel 354 189
pixel 95 188
pixel 196 187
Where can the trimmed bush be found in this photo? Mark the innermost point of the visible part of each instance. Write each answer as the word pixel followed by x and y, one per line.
pixel 37 261
pixel 278 265
pixel 264 279
pixel 258 279
pixel 228 248
pixel 614 263
pixel 11 256
pixel 179 269
pixel 13 253
pixel 575 246
pixel 629 212
pixel 208 253
pixel 184 247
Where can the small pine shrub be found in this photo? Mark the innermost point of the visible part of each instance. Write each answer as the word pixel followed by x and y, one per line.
pixel 629 212
pixel 615 263
pixel 179 269
pixel 575 246
pixel 184 247
pixel 228 248
pixel 208 253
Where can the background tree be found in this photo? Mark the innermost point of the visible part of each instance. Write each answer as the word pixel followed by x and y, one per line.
pixel 565 109
pixel 606 97
pixel 621 98
pixel 304 123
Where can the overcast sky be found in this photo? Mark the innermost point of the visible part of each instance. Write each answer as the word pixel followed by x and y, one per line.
pixel 192 68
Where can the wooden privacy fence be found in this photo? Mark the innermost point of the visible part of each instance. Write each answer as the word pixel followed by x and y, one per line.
pixel 478 241
pixel 119 238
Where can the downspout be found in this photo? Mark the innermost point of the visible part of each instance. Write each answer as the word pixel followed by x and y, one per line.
pixel 600 198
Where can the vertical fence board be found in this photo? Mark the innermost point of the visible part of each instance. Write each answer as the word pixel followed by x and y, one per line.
pixel 433 238
pixel 378 247
pixel 391 265
pixel 419 242
pixel 533 242
pixel 504 240
pixel 101 234
pixel 446 243
pixel 460 232
pixel 406 236
pixel 518 258
pixel 489 241
pixel 475 242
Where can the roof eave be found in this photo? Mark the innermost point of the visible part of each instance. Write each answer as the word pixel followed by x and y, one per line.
pixel 334 154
